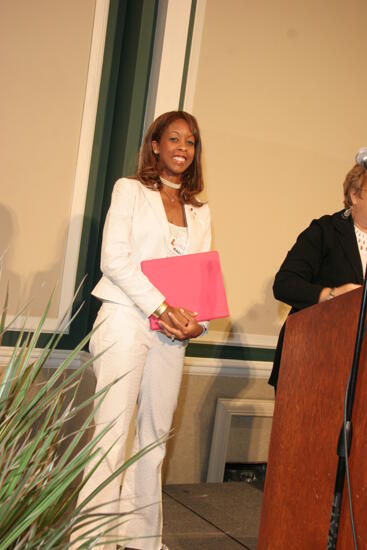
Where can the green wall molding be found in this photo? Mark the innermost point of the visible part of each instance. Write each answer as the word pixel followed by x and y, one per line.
pixel 220 351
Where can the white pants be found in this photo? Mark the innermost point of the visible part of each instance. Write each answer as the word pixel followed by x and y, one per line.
pixel 152 366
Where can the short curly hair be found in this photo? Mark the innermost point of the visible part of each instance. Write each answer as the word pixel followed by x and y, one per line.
pixel 354 181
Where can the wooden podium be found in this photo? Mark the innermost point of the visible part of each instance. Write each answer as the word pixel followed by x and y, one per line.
pixel 316 360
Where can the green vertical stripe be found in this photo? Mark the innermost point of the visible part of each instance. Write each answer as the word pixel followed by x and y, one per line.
pixel 187 54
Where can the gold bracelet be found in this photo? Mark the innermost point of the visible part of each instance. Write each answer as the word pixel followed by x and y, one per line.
pixel 160 310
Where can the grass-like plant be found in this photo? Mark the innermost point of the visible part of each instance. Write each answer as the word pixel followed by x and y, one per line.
pixel 40 462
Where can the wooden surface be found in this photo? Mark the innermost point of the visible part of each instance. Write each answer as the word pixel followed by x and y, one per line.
pixel 316 360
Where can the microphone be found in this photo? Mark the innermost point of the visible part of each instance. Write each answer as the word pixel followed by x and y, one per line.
pixel 361 157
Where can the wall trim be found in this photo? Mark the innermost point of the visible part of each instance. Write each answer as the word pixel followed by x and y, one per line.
pixel 239 339
pixel 190 31
pixel 207 366
pixel 193 66
pixel 84 153
pixel 170 44
pixel 53 362
pixel 226 408
pixel 197 366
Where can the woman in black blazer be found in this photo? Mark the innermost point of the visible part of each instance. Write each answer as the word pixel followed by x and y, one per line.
pixel 328 258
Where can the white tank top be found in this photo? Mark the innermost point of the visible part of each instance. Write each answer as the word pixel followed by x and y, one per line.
pixel 178 240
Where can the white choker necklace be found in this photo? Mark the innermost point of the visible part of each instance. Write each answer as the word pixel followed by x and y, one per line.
pixel 170 184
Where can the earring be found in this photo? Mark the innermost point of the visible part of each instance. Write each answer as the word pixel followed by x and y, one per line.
pixel 347 212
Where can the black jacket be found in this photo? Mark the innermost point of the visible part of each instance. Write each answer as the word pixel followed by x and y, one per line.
pixel 325 255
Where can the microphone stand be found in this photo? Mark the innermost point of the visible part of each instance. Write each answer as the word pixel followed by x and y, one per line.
pixel 346 430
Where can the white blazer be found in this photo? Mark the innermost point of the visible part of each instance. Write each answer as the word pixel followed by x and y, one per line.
pixel 136 229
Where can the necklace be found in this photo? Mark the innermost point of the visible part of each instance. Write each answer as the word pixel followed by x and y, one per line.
pixel 170 184
pixel 171 199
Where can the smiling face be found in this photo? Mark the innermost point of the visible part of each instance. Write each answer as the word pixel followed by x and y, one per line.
pixel 176 150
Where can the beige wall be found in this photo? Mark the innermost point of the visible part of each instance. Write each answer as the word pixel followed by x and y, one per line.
pixel 280 97
pixel 44 56
pixel 188 449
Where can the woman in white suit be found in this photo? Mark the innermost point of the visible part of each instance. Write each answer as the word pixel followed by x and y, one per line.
pixel 154 215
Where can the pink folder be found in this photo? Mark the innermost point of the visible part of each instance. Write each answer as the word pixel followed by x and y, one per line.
pixel 192 281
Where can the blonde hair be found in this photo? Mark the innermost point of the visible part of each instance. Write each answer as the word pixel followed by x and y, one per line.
pixel 353 183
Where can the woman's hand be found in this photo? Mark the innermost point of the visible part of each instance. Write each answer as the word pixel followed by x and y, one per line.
pixel 180 323
pixel 338 291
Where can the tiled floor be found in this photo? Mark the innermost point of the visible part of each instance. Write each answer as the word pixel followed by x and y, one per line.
pixel 211 516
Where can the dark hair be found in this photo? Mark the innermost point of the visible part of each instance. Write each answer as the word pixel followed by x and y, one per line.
pixel 353 182
pixel 148 174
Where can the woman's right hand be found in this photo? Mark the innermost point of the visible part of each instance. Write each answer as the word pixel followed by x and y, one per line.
pixel 176 312
pixel 180 324
pixel 338 290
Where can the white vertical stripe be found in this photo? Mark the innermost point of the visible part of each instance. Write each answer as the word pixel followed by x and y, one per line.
pixel 84 153
pixel 82 170
pixel 168 58
pixel 194 56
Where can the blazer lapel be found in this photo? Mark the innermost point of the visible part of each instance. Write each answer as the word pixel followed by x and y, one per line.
pixel 348 242
pixel 192 228
pixel 155 201
pixel 191 215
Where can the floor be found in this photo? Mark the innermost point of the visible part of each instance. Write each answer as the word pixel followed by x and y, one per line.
pixel 211 516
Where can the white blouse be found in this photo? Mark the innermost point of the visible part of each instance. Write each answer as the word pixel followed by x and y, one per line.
pixel 178 240
pixel 362 246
